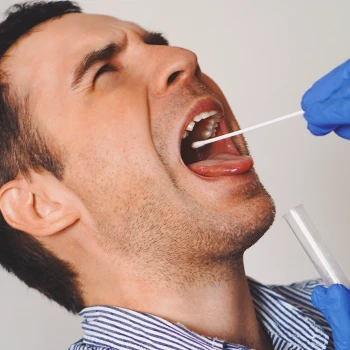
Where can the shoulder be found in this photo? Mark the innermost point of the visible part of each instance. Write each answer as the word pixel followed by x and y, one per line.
pixel 80 345
pixel 296 295
pixel 303 288
pixel 291 302
pixel 299 295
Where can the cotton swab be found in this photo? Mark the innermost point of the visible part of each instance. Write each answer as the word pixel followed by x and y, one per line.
pixel 198 144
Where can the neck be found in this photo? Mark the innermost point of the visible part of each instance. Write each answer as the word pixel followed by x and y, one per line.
pixel 214 302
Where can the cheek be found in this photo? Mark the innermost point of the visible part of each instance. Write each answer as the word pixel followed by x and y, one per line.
pixel 112 157
pixel 103 117
pixel 113 152
pixel 113 144
pixel 118 182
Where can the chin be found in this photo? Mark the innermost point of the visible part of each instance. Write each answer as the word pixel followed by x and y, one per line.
pixel 243 224
pixel 260 215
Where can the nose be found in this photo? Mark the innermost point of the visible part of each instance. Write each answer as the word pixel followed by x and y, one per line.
pixel 173 66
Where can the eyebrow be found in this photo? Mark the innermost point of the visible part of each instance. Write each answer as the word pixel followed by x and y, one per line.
pixel 107 53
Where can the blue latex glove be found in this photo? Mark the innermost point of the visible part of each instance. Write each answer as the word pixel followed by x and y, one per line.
pixel 334 303
pixel 327 103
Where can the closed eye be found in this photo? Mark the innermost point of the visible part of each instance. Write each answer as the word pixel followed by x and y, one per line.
pixel 150 38
pixel 106 68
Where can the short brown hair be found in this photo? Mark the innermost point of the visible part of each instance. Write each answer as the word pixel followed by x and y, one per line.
pixel 24 147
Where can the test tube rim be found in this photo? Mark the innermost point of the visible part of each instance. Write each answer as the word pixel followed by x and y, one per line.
pixel 293 209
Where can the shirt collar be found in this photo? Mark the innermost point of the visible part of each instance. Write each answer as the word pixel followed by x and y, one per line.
pixel 118 328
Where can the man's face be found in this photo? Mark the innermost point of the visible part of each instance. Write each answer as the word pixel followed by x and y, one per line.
pixel 121 123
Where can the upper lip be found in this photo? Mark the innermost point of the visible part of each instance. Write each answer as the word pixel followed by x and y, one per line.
pixel 207 104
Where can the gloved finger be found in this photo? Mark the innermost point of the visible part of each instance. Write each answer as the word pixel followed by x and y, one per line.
pixel 334 303
pixel 339 299
pixel 326 86
pixel 338 315
pixel 317 130
pixel 331 114
pixel 319 298
pixel 343 131
pixel 342 92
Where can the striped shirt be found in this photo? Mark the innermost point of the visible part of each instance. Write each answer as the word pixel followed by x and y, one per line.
pixel 285 312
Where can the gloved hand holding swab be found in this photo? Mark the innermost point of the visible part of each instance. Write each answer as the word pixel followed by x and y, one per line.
pixel 198 144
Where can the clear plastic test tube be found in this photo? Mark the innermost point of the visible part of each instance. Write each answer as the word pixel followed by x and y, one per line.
pixel 315 247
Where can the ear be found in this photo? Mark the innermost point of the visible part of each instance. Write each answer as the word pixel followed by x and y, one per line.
pixel 41 207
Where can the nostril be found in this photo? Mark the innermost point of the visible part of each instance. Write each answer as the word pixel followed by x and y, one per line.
pixel 173 77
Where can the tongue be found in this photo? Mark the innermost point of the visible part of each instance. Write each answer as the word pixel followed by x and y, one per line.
pixel 223 164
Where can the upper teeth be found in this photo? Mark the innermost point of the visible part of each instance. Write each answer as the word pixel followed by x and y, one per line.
pixel 211 126
pixel 204 115
pixel 190 126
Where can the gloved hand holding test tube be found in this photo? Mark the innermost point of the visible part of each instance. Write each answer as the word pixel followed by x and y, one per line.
pixel 333 302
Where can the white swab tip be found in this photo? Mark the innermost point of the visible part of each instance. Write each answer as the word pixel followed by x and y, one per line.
pixel 197 144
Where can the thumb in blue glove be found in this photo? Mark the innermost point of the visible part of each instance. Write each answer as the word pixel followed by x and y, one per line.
pixel 327 103
pixel 334 303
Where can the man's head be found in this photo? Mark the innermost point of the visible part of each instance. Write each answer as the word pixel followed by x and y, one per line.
pixel 99 107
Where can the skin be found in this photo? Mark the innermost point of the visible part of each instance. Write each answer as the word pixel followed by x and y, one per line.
pixel 142 231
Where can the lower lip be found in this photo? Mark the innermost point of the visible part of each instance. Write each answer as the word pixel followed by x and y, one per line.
pixel 239 179
pixel 222 164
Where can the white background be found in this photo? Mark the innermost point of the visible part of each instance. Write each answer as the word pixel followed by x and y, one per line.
pixel 264 55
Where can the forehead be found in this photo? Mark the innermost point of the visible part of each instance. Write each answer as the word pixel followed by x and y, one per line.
pixel 54 47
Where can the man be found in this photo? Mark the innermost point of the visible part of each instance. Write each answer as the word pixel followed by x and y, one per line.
pixel 105 203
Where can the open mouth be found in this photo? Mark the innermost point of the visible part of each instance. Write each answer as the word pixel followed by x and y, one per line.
pixel 220 158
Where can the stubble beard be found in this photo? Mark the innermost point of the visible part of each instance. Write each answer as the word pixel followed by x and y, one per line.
pixel 164 244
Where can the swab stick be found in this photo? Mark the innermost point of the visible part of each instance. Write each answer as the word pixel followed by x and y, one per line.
pixel 198 144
